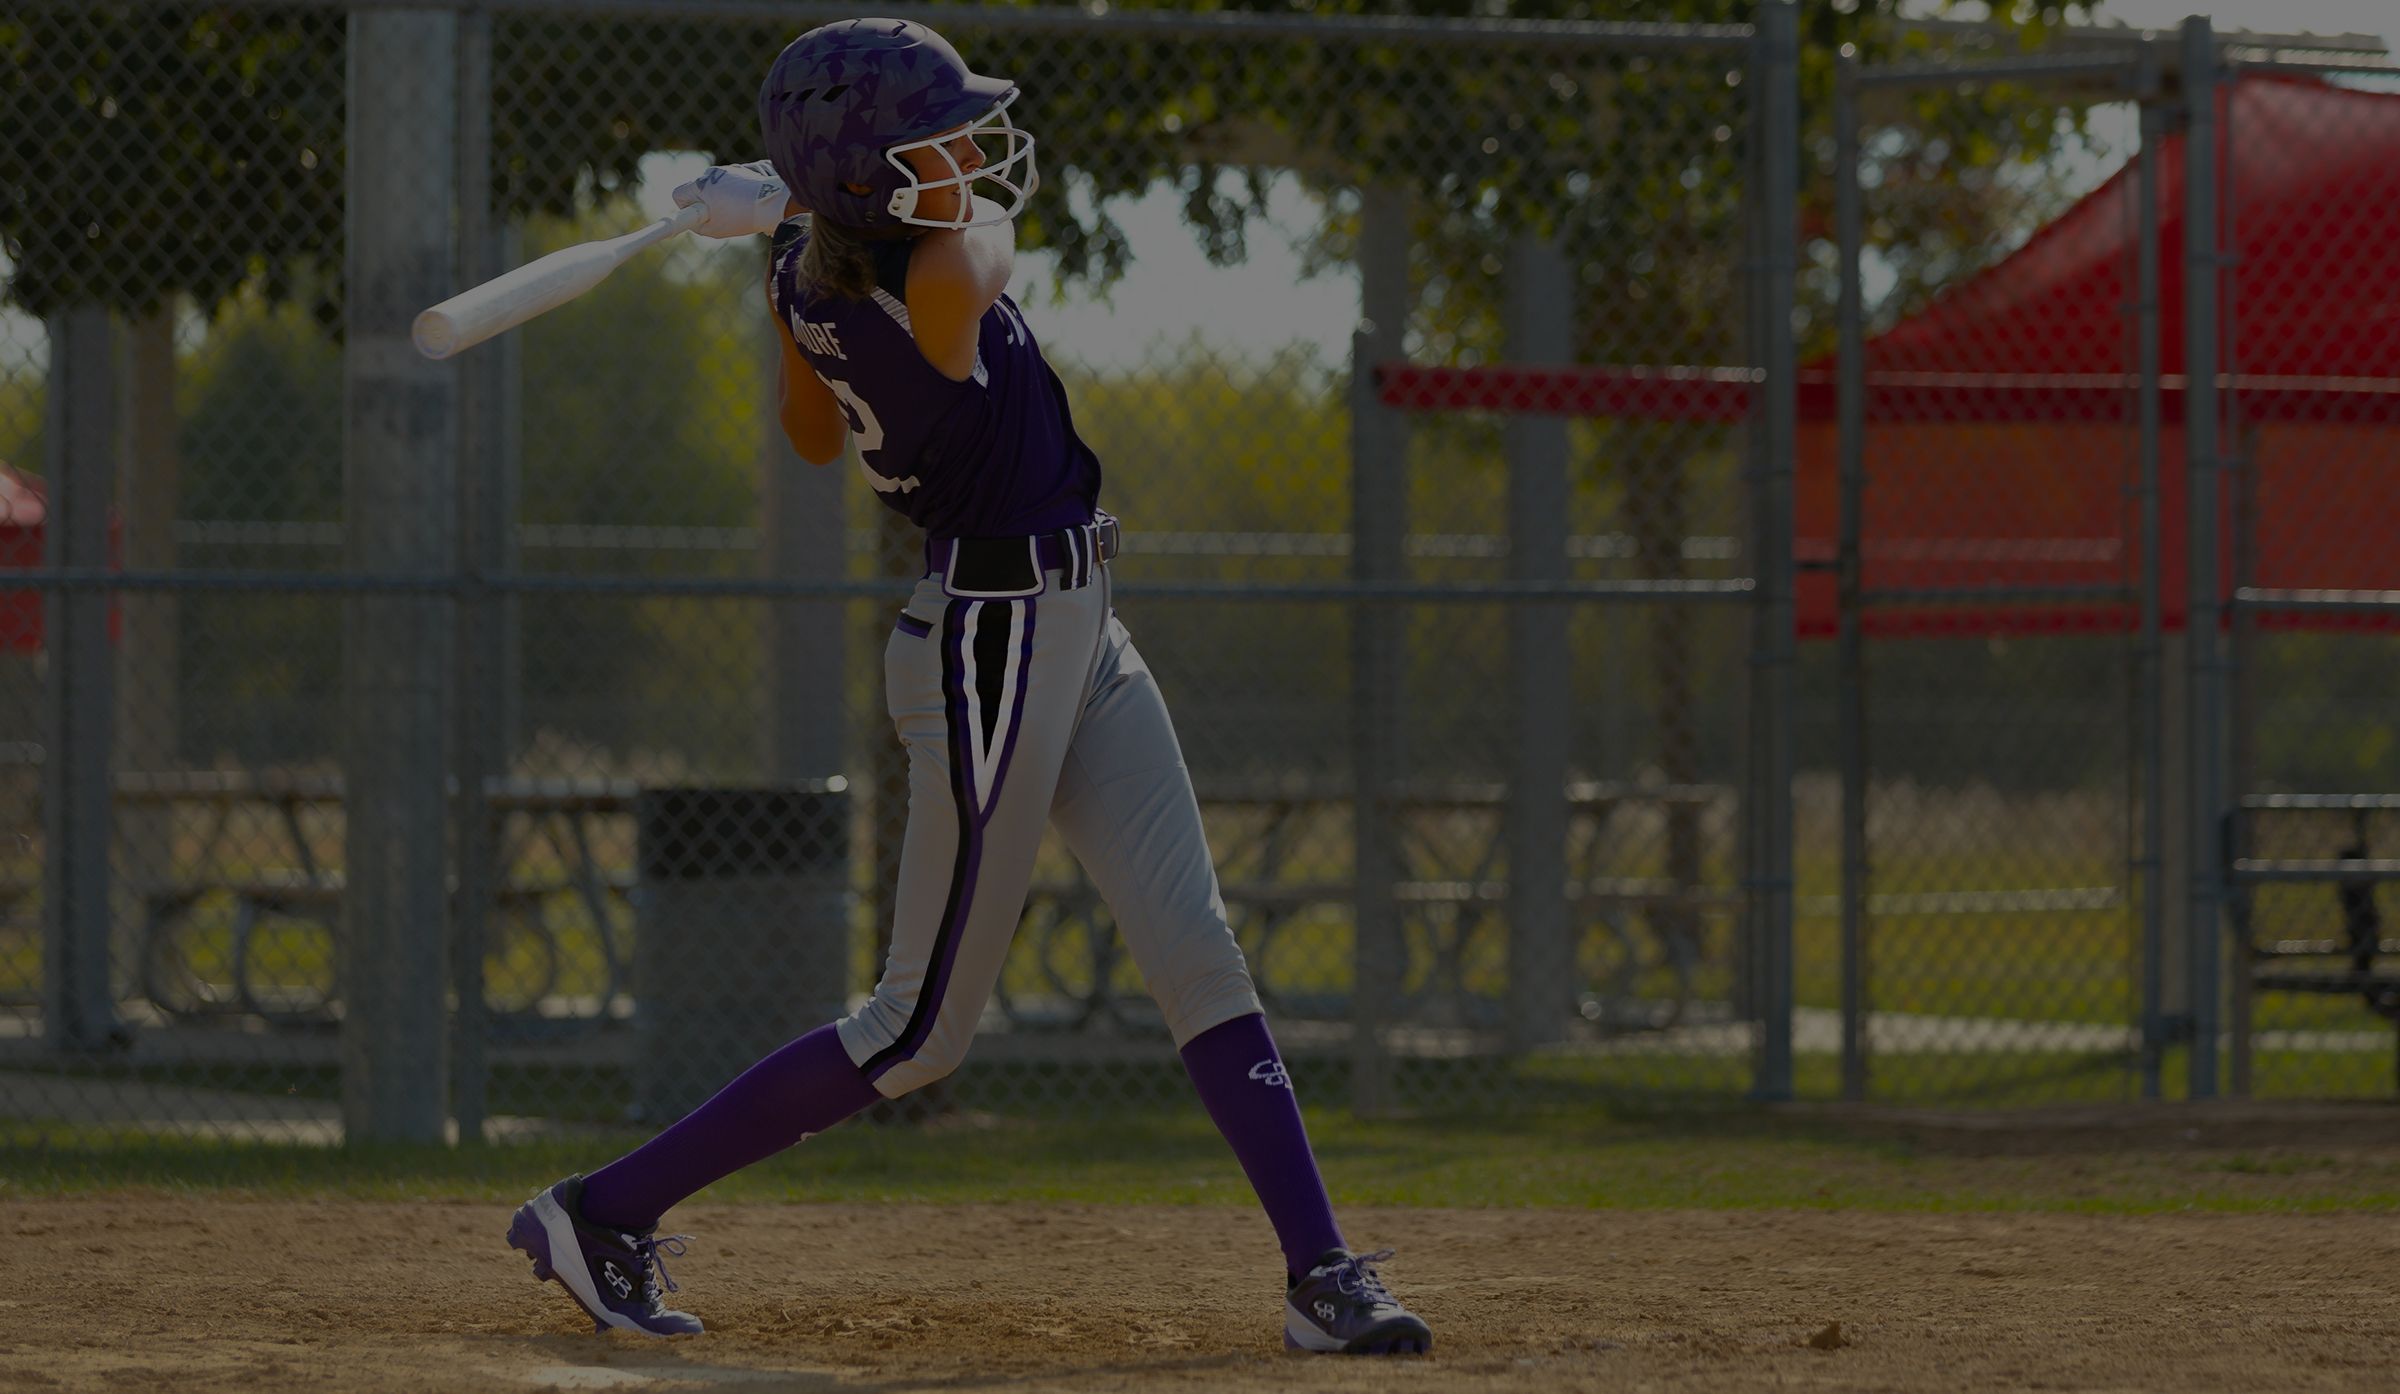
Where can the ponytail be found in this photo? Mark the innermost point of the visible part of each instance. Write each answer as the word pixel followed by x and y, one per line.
pixel 835 261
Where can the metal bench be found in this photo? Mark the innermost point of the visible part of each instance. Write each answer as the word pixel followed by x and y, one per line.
pixel 554 811
pixel 1637 963
pixel 254 986
pixel 2361 962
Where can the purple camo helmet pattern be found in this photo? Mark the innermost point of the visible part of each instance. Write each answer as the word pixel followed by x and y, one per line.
pixel 844 93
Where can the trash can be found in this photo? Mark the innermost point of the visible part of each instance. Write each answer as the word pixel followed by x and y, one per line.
pixel 741 931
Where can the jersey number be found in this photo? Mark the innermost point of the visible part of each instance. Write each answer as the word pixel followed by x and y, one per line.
pixel 870 436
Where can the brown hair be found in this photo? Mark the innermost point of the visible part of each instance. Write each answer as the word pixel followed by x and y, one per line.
pixel 836 261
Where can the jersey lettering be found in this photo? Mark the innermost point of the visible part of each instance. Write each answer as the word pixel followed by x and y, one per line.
pixel 817 338
pixel 884 483
pixel 994 456
pixel 870 436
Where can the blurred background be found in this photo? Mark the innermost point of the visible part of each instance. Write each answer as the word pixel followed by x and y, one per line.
pixel 1665 528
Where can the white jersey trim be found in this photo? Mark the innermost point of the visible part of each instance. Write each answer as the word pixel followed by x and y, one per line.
pixel 897 308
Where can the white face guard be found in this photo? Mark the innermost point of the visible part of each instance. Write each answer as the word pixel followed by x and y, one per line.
pixel 1012 173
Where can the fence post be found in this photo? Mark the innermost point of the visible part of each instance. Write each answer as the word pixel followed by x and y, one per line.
pixel 1540 298
pixel 1775 64
pixel 2203 607
pixel 1378 635
pixel 807 720
pixel 401 505
pixel 504 725
pixel 148 691
pixel 80 439
pixel 480 736
pixel 2150 698
pixel 2240 693
pixel 1850 696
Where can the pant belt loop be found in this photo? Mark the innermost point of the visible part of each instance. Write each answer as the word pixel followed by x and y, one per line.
pixel 1083 555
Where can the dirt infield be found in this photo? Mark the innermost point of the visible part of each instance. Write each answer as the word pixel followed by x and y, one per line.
pixel 151 1292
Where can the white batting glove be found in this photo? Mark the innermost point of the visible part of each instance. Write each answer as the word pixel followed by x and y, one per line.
pixel 742 200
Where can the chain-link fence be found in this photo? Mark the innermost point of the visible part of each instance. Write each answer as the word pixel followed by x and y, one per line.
pixel 2097 482
pixel 1628 634
pixel 2303 429
pixel 1971 934
pixel 399 746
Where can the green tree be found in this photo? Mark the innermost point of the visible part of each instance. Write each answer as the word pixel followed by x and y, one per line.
pixel 197 149
pixel 161 149
pixel 147 152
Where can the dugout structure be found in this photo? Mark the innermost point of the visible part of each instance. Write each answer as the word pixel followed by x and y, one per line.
pixel 1991 469
pixel 1999 418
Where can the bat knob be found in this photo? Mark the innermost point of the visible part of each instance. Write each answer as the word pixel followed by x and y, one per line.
pixel 434 334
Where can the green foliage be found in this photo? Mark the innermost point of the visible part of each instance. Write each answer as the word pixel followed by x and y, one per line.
pixel 146 151
pixel 644 403
pixel 641 404
pixel 23 399
pixel 1266 444
pixel 261 411
pixel 193 148
pixel 260 402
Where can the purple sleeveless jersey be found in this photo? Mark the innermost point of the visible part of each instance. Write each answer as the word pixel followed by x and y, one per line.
pixel 994 456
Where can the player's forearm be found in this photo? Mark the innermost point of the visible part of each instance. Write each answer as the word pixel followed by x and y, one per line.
pixel 806 412
pixel 818 442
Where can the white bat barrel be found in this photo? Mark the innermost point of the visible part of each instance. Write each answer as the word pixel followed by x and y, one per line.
pixel 504 302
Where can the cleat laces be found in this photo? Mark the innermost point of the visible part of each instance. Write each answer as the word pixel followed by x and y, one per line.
pixel 1356 1276
pixel 649 1262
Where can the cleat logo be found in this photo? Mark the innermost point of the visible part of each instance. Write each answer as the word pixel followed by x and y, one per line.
pixel 1272 1074
pixel 616 1279
pixel 1324 1310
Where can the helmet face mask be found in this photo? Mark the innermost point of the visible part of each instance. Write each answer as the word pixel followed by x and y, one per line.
pixel 1012 173
pixel 846 102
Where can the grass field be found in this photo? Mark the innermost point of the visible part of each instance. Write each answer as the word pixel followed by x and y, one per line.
pixel 2236 1159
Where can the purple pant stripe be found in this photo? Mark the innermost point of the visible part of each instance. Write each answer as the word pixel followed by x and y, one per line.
pixel 959 714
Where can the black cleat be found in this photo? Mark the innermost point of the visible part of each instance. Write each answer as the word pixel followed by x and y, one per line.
pixel 1340 1307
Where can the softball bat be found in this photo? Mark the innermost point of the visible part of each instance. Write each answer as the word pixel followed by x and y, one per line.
pixel 545 283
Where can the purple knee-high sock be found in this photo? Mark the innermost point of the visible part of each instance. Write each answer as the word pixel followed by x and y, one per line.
pixel 1246 1089
pixel 806 1087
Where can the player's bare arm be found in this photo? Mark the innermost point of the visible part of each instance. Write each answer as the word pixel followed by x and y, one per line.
pixel 748 200
pixel 953 277
pixel 955 273
pixel 805 407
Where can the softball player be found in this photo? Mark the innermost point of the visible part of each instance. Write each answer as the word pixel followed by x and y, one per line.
pixel 1017 693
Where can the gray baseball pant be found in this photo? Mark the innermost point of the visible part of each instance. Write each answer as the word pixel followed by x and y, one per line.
pixel 1015 711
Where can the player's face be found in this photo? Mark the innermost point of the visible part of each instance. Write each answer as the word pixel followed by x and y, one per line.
pixel 943 204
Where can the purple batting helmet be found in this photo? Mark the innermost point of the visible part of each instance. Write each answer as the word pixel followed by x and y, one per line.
pixel 844 98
